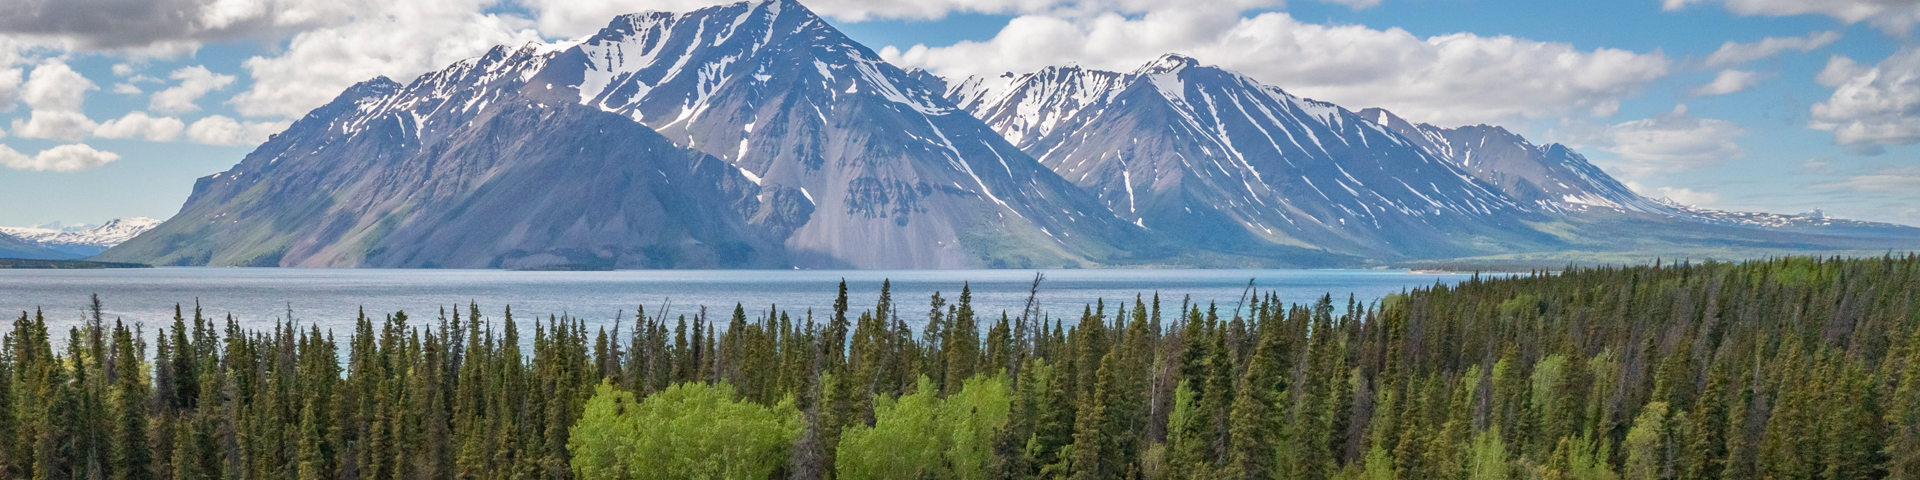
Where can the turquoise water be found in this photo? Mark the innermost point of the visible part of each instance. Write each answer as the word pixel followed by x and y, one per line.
pixel 330 298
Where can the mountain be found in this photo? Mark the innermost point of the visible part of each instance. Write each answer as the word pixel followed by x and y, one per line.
pixel 743 135
pixel 16 247
pixel 82 241
pixel 756 135
pixel 1215 158
pixel 1551 177
pixel 1555 178
pixel 428 175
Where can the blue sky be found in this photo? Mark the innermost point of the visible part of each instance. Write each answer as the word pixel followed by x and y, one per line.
pixel 1823 116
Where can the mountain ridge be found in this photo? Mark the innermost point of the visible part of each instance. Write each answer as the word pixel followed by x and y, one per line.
pixel 83 240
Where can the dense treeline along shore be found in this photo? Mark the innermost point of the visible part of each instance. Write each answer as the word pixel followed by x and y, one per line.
pixel 1788 368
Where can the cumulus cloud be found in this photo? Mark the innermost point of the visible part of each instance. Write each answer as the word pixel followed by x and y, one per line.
pixel 1448 79
pixel 64 158
pixel 1871 106
pixel 1892 16
pixel 141 126
pixel 195 82
pixel 221 130
pixel 55 92
pixel 1667 143
pixel 10 80
pixel 1728 81
pixel 1734 53
pixel 395 39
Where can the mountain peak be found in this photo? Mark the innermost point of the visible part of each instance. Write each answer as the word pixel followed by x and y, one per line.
pixel 1169 63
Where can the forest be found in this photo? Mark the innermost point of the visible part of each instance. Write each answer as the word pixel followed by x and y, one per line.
pixel 1788 368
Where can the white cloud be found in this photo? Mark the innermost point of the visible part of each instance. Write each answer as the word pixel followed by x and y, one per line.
pixel 1892 16
pixel 1871 106
pixel 221 130
pixel 55 92
pixel 10 80
pixel 1671 142
pixel 126 89
pixel 121 70
pixel 1447 80
pixel 142 126
pixel 1684 196
pixel 396 39
pixel 1728 81
pixel 1734 53
pixel 1839 70
pixel 195 82
pixel 1688 196
pixel 64 158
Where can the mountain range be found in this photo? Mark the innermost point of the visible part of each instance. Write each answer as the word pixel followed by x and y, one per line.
pixel 756 135
pixel 57 241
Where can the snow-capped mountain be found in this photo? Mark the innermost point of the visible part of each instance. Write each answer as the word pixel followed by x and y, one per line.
pixel 83 240
pixel 893 174
pixel 1551 177
pixel 1215 158
pixel 778 135
pixel 1212 156
pixel 1554 178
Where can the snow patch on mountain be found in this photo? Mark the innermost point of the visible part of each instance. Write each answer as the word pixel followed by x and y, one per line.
pixel 83 240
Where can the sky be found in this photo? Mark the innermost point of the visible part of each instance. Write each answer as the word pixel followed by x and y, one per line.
pixel 113 108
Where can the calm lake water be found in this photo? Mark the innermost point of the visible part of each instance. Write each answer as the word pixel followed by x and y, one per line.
pixel 330 298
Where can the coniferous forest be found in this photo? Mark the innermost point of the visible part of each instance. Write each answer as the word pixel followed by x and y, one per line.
pixel 1785 369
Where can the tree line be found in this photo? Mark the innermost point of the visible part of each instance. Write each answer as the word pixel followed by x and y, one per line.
pixel 1783 368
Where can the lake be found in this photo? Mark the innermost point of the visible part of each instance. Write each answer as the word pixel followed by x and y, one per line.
pixel 331 298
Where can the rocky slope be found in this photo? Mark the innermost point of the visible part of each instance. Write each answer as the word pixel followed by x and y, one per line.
pixel 1218 159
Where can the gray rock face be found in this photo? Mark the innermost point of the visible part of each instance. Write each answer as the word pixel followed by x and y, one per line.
pixel 1216 158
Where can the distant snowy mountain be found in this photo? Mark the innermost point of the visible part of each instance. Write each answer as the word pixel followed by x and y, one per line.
pixel 1555 178
pixel 1215 158
pixel 83 240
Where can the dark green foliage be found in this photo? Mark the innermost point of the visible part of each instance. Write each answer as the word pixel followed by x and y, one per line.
pixel 1789 368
